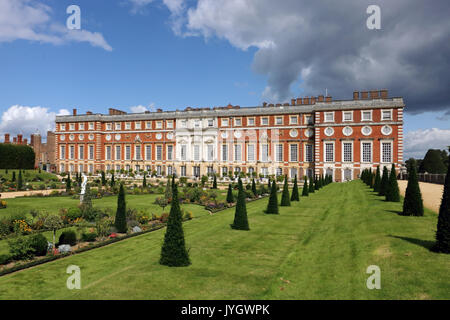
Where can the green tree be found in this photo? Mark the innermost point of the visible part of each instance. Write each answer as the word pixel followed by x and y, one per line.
pixel 68 183
pixel 13 179
pixel 285 197
pixel 413 204
pixel 103 178
pixel 443 226
pixel 20 181
pixel 305 191
pixel 432 163
pixel 377 182
pixel 112 180
pixel 214 186
pixel 173 251
pixel 53 222
pixel 316 184
pixel 392 192
pixel 272 206
pixel 121 220
pixel 311 186
pixel 384 182
pixel 240 216
pixel 168 192
pixel 294 195
pixel 144 182
pixel 254 188
pixel 230 197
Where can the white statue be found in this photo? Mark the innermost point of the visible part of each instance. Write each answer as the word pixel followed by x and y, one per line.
pixel 83 187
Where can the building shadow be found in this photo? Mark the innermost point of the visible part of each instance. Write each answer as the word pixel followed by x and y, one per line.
pixel 427 244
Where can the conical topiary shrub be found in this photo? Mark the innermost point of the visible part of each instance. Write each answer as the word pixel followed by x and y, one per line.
pixel 121 219
pixel 272 206
pixel 377 181
pixel 214 182
pixel 112 180
pixel 173 251
pixel 392 192
pixel 311 185
pixel 384 182
pixel 305 190
pixel 316 184
pixel 294 195
pixel 255 193
pixel 443 225
pixel 285 199
pixel 230 197
pixel 144 182
pixel 413 204
pixel 240 216
pixel 20 181
pixel 68 182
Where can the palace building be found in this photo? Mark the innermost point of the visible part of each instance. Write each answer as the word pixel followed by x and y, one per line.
pixel 309 136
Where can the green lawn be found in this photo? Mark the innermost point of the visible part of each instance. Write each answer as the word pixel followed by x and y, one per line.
pixel 316 249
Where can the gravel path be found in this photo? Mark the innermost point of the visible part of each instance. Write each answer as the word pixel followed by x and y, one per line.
pixel 9 195
pixel 431 193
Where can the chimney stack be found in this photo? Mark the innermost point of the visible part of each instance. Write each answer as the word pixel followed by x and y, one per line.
pixel 320 98
pixel 328 99
pixel 25 141
pixel 292 102
pixel 14 140
pixel 384 94
pixel 364 95
pixel 355 95
pixel 74 112
pixel 6 138
pixel 299 101
pixel 313 100
pixel 373 94
pixel 19 139
pixel 305 100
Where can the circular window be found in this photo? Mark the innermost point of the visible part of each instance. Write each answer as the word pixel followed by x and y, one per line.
pixel 91 137
pixel 293 133
pixel 117 137
pixel 224 135
pixel 329 131
pixel 170 136
pixel 62 137
pixel 309 133
pixel 81 137
pixel 386 130
pixel 71 137
pixel 347 131
pixel 237 134
pixel 158 136
pixel 366 130
pixel 108 137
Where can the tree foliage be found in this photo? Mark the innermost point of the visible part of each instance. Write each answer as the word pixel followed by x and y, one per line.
pixel 121 219
pixel 272 206
pixel 294 195
pixel 240 216
pixel 413 204
pixel 443 225
pixel 15 156
pixel 285 198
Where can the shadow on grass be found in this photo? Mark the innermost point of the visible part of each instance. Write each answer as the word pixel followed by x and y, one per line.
pixel 395 211
pixel 427 244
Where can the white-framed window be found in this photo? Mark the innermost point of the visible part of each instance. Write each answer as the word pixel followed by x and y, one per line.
pixel 210 122
pixel 293 172
pixel 183 123
pixel 224 171
pixel 159 124
pixel 278 120
pixel 81 152
pixel 293 119
pixel 366 154
pixel 264 152
pixel 80 168
pixel 91 126
pixel 265 172
pixel 279 172
pixel 279 152
pixel 329 116
pixel 386 151
pixel 366 115
pixel 183 155
pixel 210 152
pixel 91 152
pixel 109 126
pixel 159 154
pixel 224 152
pixel 117 167
pixel 117 126
pixel 329 152
pixel 238 122
pixel 72 126
pixel 170 152
pixel 137 153
pixel 224 122
pixel 386 114
pixel 264 121
pixel 148 124
pixel 127 125
pixel 169 124
pixel 127 152
pixel 237 152
pixel 118 156
pixel 91 168
pixel 108 152
pixel 169 170
pixel 293 152
pixel 183 171
pixel 347 116
pixel 62 127
pixel 61 167
pixel 137 125
pixel 72 152
pixel 347 151
pixel 196 152
pixel 251 152
pixel 309 153
pixel 81 126
pixel 148 152
pixel 250 121
pixel 308 119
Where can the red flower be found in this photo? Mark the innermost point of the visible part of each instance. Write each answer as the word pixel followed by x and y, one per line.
pixel 113 235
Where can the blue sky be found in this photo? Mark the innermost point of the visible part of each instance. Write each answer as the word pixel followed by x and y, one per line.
pixel 167 54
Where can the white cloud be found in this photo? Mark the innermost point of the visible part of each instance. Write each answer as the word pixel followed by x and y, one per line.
pixel 140 108
pixel 419 141
pixel 27 120
pixel 30 20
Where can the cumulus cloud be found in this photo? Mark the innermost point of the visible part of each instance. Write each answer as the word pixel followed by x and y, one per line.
pixel 418 142
pixel 30 20
pixel 27 120
pixel 141 108
pixel 312 45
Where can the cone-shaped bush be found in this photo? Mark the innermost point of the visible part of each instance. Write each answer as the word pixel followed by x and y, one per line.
pixel 269 186
pixel 103 178
pixel 240 216
pixel 305 190
pixel 392 192
pixel 112 180
pixel 377 181
pixel 443 226
pixel 272 206
pixel 285 198
pixel 144 182
pixel 413 205
pixel 230 198
pixel 121 219
pixel 384 182
pixel 371 178
pixel 254 188
pixel 316 184
pixel 173 251
pixel 20 181
pixel 311 185
pixel 68 182
pixel 214 182
pixel 13 176
pixel 294 195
